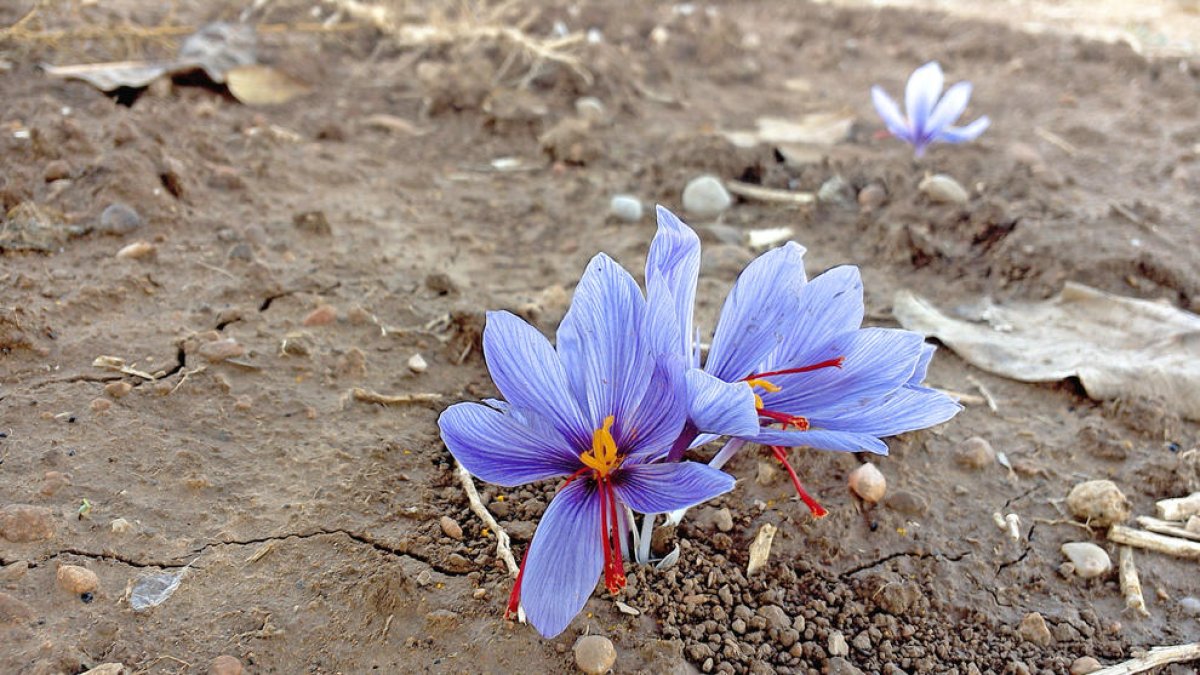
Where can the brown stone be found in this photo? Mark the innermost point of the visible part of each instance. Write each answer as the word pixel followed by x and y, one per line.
pixel 24 522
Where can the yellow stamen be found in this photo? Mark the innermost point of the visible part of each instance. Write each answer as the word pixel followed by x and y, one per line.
pixel 603 457
pixel 765 385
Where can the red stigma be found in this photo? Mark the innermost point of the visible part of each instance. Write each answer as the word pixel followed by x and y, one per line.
pixel 796 421
pixel 610 537
pixel 817 510
pixel 514 599
pixel 829 363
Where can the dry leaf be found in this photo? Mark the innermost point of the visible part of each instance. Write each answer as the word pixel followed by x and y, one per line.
pixel 760 549
pixel 263 85
pixel 111 76
pixel 1116 346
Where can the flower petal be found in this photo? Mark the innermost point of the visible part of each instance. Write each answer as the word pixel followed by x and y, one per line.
pixel 890 113
pixel 530 374
pixel 877 362
pixel 719 407
pixel 948 110
pixel 822 439
pixel 674 264
pixel 658 419
pixel 506 448
pixel 922 92
pixel 923 362
pixel 756 314
pixel 564 560
pixel 659 488
pixel 607 360
pixel 964 134
pixel 830 305
pixel 906 409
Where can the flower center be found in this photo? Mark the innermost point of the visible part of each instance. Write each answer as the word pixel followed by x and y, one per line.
pixel 603 458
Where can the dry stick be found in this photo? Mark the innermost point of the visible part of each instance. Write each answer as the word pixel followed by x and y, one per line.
pixel 1179 508
pixel 19 33
pixel 1157 656
pixel 1154 542
pixel 368 396
pixel 1167 527
pixel 763 194
pixel 987 395
pixel 1131 586
pixel 477 507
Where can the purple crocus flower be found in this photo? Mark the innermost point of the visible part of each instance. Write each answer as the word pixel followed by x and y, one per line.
pixel 790 364
pixel 929 120
pixel 599 411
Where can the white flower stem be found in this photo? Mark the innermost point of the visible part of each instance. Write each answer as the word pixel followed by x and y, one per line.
pixel 723 455
pixel 643 554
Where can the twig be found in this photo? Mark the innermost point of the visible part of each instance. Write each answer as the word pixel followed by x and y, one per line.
pixel 763 194
pixel 1167 527
pixel 1056 140
pixel 477 507
pixel 987 395
pixel 387 625
pixel 1131 586
pixel 1157 656
pixel 186 373
pixel 963 398
pixel 1154 542
pixel 1179 508
pixel 118 364
pixel 368 396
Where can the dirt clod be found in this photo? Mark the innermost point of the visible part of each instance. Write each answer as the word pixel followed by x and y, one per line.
pixel 25 522
pixel 118 389
pixel 451 528
pixel 1084 665
pixel 323 315
pixel 77 580
pixel 1099 503
pixel 975 453
pixel 225 665
pixel 594 654
pixel 1033 628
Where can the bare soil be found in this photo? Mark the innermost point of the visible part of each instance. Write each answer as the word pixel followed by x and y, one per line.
pixel 308 520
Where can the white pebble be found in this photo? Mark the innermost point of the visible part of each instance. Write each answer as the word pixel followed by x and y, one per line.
pixel 868 482
pixel 626 207
pixel 1089 559
pixel 942 188
pixel 595 654
pixel 706 197
pixel 417 364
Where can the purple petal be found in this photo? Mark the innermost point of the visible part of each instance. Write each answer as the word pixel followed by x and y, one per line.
pixel 674 264
pixel 949 109
pixel 923 362
pixel 890 113
pixel 719 407
pixel 877 361
pixel 607 361
pixel 658 419
pixel 565 559
pixel 964 134
pixel 755 315
pixel 659 488
pixel 505 448
pixel 830 305
pixel 922 92
pixel 529 373
pixel 906 409
pixel 822 439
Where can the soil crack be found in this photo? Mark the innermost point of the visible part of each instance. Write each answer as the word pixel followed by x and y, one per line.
pixel 953 557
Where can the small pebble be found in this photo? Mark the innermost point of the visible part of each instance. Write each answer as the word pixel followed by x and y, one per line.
pixel 118 389
pixel 1100 503
pixel 77 580
pixel 975 453
pixel 120 526
pixel 118 218
pixel 1190 604
pixel 321 316
pixel 766 473
pixel 24 522
pixel 56 170
pixel 107 669
pixel 724 520
pixel 1084 665
pixel 479 593
pixel 137 251
pixel 594 654
pixel 908 503
pixel 451 528
pixel 706 197
pixel 944 189
pixel 219 350
pixel 868 483
pixel 871 197
pixel 243 403
pixel 1089 559
pixel 837 644
pixel 626 208
pixel 835 191
pixel 225 665
pixel 100 405
pixel 417 364
pixel 54 481
pixel 1033 629
pixel 591 109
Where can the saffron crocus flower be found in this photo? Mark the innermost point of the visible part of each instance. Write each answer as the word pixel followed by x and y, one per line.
pixel 598 411
pixel 791 356
pixel 929 120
